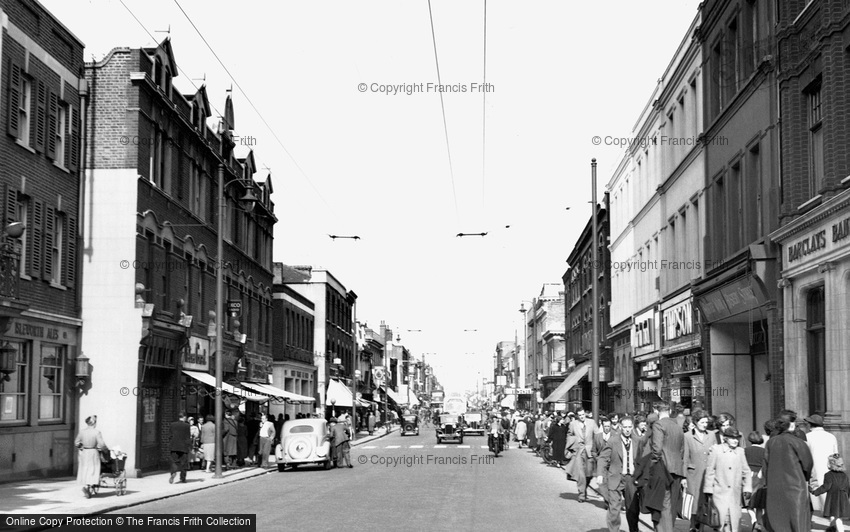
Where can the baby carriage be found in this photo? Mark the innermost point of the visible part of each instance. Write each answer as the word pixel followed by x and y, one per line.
pixel 112 468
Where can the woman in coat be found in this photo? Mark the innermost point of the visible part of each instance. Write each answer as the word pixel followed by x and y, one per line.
pixel 521 432
pixel 89 442
pixel 208 441
pixel 727 477
pixel 698 444
pixel 241 442
pixel 558 436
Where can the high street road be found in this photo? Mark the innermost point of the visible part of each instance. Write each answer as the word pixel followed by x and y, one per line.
pixel 405 483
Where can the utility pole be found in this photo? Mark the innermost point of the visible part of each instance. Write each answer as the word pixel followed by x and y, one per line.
pixel 594 292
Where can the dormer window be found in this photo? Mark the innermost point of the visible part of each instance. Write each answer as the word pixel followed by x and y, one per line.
pixel 166 85
pixel 157 72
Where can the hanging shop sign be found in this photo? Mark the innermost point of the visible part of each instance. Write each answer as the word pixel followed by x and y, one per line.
pixel 650 370
pixel 691 362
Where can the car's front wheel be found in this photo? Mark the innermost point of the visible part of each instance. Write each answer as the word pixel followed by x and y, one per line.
pixel 281 467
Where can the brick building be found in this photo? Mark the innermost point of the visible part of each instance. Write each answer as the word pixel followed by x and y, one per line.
pixel 545 340
pixel 741 329
pixel 42 109
pixel 150 255
pixel 814 236
pixel 575 377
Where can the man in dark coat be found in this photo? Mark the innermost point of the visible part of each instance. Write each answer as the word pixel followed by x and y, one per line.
pixel 668 446
pixel 787 469
pixel 229 437
pixel 580 441
pixel 181 444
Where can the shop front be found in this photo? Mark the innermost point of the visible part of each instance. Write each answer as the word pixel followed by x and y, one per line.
pixel 298 378
pixel 816 330
pixel 38 401
pixel 736 317
pixel 682 379
pixel 647 358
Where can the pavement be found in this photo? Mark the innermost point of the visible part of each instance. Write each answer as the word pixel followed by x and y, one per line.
pixel 62 495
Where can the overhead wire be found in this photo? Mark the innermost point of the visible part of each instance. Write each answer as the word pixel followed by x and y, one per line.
pixel 256 110
pixel 484 122
pixel 443 107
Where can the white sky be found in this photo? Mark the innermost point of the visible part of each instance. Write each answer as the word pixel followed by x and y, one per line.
pixel 376 165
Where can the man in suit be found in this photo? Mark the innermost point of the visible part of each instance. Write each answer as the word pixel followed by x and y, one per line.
pixel 668 445
pixel 615 468
pixel 580 442
pixel 600 440
pixel 181 444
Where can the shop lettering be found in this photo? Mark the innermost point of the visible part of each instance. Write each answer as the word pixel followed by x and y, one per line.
pixel 651 369
pixel 685 363
pixel 678 321
pixel 643 333
pixel 841 230
pixel 814 243
pixel 36 331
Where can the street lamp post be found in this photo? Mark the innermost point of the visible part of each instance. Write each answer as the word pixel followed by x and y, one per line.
pixel 594 242
pixel 219 311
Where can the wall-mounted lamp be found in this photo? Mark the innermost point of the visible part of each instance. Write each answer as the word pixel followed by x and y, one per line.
pixel 8 361
pixel 83 371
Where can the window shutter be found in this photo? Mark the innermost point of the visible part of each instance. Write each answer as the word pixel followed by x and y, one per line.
pixel 12 205
pixel 52 117
pixel 14 99
pixel 70 255
pixel 74 144
pixel 34 254
pixel 40 116
pixel 47 271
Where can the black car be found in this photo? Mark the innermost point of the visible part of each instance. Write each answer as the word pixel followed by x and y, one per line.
pixel 410 425
pixel 450 428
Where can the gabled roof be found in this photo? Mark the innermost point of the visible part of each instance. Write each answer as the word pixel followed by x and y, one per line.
pixel 248 161
pixel 203 101
pixel 164 50
pixel 229 124
pixel 268 184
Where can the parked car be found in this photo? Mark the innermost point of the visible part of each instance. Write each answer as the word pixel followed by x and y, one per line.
pixel 449 428
pixel 410 425
pixel 304 441
pixel 474 424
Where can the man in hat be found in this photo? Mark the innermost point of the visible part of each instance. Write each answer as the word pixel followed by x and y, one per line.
pixel 822 445
pixel 341 436
pixel 180 446
pixel 667 444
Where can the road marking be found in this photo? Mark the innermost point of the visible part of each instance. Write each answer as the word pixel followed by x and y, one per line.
pixel 370 446
pixel 439 447
pixel 485 447
pixel 416 446
pixel 392 446
pixel 463 446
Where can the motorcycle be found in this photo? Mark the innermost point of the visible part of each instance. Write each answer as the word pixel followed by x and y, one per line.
pixel 494 442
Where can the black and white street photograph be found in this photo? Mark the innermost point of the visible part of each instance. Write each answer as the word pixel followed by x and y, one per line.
pixel 424 265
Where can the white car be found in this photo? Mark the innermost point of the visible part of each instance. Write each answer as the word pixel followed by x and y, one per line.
pixel 304 441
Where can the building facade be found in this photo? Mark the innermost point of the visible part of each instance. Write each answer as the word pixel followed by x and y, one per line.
pixel 545 329
pixel 42 111
pixel 578 302
pixel 293 340
pixel 149 255
pixel 814 235
pixel 737 295
pixel 334 339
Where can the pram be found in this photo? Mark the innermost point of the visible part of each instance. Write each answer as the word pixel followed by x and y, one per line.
pixel 112 467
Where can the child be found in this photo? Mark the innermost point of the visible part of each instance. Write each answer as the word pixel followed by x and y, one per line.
pixel 836 485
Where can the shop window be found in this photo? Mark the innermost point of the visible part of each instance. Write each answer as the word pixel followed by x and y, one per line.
pixel 816 349
pixel 14 394
pixel 51 388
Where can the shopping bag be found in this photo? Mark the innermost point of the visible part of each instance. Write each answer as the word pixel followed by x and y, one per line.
pixel 707 513
pixel 687 508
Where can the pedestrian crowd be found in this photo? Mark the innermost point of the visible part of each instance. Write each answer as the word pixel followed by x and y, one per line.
pixel 673 463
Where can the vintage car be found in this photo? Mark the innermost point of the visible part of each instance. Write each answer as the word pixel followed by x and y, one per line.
pixel 304 441
pixel 450 427
pixel 410 425
pixel 474 423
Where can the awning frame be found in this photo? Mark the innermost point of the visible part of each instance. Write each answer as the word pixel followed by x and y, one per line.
pixel 243 393
pixel 572 379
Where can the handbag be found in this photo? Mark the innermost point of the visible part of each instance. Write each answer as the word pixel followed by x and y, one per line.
pixel 687 508
pixel 707 513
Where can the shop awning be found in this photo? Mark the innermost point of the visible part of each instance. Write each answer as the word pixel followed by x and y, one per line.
pixel 394 396
pixel 209 380
pixel 340 393
pixel 411 398
pixel 571 380
pixel 509 402
pixel 272 391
